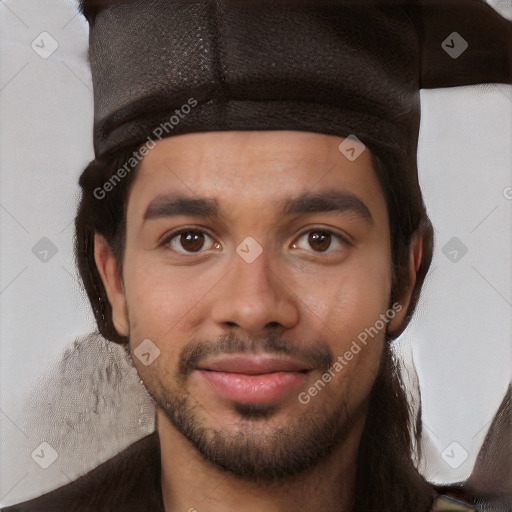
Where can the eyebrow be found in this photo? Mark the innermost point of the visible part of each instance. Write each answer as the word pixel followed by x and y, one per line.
pixel 327 201
pixel 323 201
pixel 171 205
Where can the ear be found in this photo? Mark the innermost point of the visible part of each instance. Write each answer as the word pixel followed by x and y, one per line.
pixel 107 267
pixel 415 257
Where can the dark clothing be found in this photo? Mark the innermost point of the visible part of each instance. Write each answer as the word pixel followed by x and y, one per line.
pixel 130 482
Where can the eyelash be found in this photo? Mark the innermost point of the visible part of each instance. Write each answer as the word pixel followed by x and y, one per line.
pixel 173 234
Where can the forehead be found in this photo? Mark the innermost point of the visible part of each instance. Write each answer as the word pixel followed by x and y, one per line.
pixel 253 167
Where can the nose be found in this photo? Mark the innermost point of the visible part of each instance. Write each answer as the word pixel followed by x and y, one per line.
pixel 254 297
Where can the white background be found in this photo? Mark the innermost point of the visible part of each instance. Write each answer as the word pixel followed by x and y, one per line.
pixel 459 341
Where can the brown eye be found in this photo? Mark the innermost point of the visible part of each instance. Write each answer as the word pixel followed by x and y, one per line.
pixel 188 241
pixel 322 240
pixel 191 241
pixel 319 240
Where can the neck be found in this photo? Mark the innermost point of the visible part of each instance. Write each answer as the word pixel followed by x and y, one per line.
pixel 190 483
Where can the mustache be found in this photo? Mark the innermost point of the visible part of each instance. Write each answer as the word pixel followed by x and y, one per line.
pixel 318 354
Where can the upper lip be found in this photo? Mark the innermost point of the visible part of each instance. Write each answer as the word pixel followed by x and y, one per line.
pixel 254 364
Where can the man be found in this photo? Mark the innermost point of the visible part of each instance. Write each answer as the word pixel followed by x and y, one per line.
pixel 252 230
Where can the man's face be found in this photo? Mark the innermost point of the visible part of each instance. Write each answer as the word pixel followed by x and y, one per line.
pixel 271 281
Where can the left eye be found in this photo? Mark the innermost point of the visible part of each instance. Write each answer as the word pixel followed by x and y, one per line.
pixel 321 239
pixel 192 240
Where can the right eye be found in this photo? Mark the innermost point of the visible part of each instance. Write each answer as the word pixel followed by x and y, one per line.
pixel 188 240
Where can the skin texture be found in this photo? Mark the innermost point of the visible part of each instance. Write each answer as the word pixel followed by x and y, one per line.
pixel 301 297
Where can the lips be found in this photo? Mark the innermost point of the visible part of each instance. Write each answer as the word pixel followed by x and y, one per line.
pixel 255 365
pixel 254 379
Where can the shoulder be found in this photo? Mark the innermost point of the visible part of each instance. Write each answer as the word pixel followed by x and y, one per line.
pixel 128 482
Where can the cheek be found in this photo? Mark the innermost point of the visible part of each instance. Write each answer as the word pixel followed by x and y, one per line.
pixel 361 297
pixel 353 309
pixel 349 298
pixel 346 306
pixel 163 300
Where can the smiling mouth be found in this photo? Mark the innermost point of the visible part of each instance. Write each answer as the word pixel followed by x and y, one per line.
pixel 254 379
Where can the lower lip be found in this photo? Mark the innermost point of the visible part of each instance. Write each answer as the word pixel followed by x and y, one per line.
pixel 244 388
